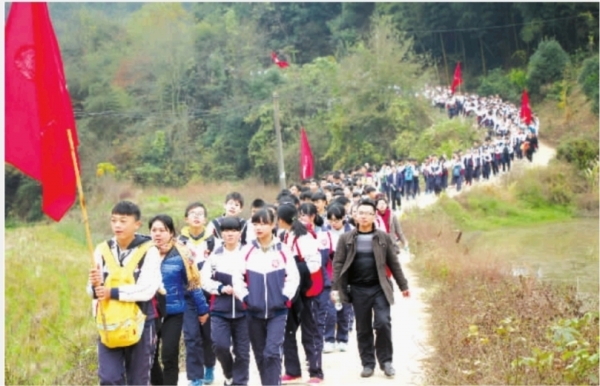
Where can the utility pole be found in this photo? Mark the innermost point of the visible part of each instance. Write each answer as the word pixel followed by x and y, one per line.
pixel 282 183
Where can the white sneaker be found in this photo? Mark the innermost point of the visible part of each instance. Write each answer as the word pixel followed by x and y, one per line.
pixel 328 347
pixel 342 346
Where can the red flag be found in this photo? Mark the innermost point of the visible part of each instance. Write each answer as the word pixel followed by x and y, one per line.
pixel 306 157
pixel 457 78
pixel 525 108
pixel 38 107
pixel 277 61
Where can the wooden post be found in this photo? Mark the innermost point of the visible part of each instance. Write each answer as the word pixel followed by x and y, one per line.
pixel 282 184
pixel 86 222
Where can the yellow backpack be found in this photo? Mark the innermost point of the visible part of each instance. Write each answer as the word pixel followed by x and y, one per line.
pixel 120 324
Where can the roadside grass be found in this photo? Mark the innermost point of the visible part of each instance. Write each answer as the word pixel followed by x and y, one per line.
pixel 154 200
pixel 50 333
pixel 490 327
pixel 48 326
pixel 521 197
pixel 561 121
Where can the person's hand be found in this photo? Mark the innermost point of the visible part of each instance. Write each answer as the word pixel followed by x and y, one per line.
pixel 95 276
pixel 202 319
pixel 102 293
pixel 334 296
pixel 227 290
pixel 406 293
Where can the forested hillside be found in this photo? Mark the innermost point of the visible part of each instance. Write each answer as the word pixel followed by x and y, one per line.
pixel 167 93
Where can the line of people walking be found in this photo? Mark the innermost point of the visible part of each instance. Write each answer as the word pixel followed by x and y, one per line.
pixel 306 262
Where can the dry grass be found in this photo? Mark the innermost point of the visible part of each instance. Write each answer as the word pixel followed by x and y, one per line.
pixel 484 318
pixel 575 119
pixel 154 200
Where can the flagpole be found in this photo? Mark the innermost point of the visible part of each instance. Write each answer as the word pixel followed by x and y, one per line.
pixel 85 218
pixel 81 199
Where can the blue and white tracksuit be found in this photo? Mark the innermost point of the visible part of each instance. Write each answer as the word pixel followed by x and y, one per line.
pixel 228 314
pixel 266 284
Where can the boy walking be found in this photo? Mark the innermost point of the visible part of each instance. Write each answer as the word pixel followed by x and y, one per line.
pixel 129 365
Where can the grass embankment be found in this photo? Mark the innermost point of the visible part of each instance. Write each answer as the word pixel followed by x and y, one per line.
pixel 487 326
pixel 48 327
pixel 50 334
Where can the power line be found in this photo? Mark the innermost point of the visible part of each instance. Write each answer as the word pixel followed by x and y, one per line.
pixel 473 29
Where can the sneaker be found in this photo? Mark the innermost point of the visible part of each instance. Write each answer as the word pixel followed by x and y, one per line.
pixel 209 375
pixel 315 381
pixel 228 382
pixel 328 347
pixel 388 369
pixel 196 382
pixel 286 379
pixel 342 346
pixel 367 372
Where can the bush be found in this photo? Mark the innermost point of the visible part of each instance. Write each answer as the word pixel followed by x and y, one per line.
pixel 507 87
pixel 578 151
pixel 588 80
pixel 546 65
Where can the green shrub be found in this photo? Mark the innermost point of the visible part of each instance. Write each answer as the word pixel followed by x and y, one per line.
pixel 546 65
pixel 588 79
pixel 508 87
pixel 578 151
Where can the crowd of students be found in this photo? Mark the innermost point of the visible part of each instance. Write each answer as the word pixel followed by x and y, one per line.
pixel 232 284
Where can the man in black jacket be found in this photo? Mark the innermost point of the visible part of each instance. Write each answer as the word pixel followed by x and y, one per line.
pixel 363 262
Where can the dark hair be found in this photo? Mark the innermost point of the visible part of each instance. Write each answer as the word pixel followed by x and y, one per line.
pixel 337 211
pixel 283 192
pixel 297 186
pixel 258 203
pixel 127 208
pixel 369 202
pixel 291 199
pixel 355 194
pixel 235 196
pixel 289 215
pixel 166 220
pixel 308 208
pixel 195 205
pixel 336 175
pixel 264 216
pixel 369 189
pixel 319 196
pixel 306 181
pixel 341 200
pixel 231 224
pixel 305 195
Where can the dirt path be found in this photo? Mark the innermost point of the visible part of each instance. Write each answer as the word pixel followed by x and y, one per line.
pixel 409 321
pixel 540 158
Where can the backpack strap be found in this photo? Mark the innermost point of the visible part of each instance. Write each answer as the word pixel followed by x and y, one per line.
pixel 295 245
pixel 217 226
pixel 137 256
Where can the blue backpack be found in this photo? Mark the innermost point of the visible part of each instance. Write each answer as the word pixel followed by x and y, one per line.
pixel 456 170
pixel 408 173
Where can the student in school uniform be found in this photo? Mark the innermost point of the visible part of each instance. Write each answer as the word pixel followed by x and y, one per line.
pixel 229 328
pixel 234 203
pixel 127 365
pixel 304 245
pixel 200 357
pixel 266 284
pixel 337 321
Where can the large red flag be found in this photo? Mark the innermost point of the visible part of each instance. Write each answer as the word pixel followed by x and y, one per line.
pixel 525 108
pixel 457 78
pixel 277 61
pixel 306 157
pixel 38 108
